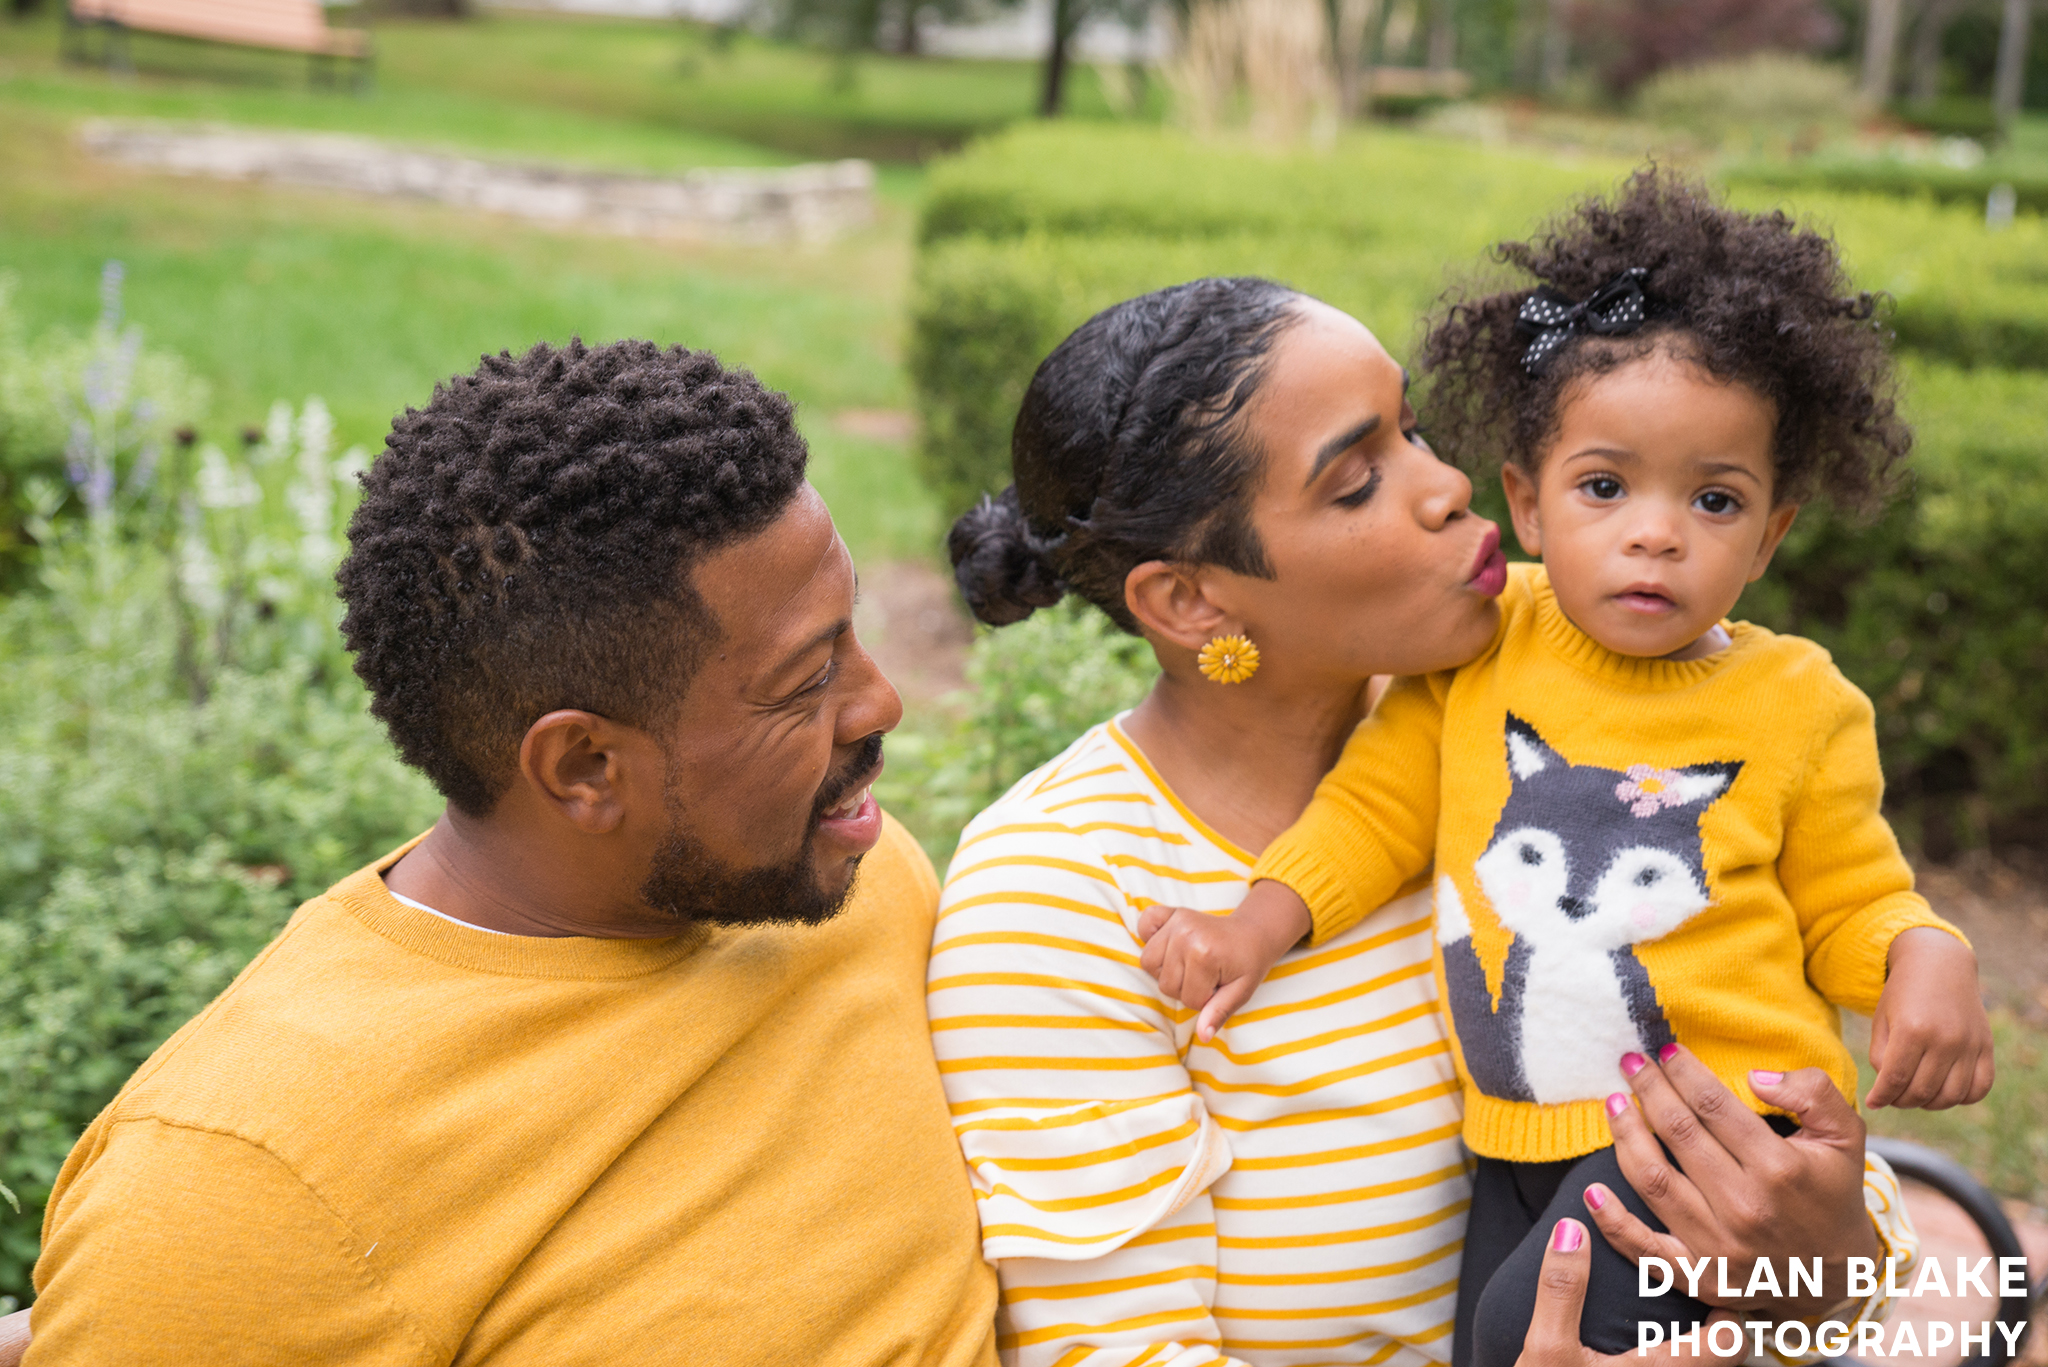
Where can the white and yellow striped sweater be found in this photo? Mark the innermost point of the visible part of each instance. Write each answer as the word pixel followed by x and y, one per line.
pixel 1293 1193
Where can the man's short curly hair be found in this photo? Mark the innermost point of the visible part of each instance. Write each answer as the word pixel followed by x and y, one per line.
pixel 524 544
pixel 1751 298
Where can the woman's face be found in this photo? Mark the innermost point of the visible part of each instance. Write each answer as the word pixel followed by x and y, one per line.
pixel 1380 567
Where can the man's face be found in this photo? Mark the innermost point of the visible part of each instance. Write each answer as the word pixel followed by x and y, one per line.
pixel 779 736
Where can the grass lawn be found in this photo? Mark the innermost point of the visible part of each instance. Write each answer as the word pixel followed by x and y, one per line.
pixel 272 293
pixel 610 92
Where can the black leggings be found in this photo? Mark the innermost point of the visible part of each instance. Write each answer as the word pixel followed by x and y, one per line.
pixel 1514 1208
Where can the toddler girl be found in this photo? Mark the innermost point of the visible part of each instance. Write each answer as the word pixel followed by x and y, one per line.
pixel 1650 827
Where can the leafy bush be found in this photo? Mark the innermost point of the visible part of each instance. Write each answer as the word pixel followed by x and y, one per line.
pixel 184 755
pixel 1032 688
pixel 1938 611
pixel 1775 98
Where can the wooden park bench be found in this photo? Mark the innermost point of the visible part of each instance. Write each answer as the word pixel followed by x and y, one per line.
pixel 279 25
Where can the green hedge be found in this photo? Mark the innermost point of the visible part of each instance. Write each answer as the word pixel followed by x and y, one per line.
pixel 1938 610
pixel 1959 292
pixel 1372 190
pixel 1966 186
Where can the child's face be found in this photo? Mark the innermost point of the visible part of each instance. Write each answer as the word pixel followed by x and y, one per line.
pixel 1652 506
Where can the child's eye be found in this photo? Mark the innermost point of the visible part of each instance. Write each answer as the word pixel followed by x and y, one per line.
pixel 1718 503
pixel 1603 487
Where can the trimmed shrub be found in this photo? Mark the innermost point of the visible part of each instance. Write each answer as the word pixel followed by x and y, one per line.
pixel 1373 190
pixel 1939 611
pixel 1965 186
pixel 1959 292
pixel 1774 97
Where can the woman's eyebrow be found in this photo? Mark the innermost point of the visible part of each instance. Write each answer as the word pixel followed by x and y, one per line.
pixel 1337 446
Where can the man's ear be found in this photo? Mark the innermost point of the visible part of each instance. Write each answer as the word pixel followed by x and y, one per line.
pixel 584 767
pixel 1172 604
pixel 1520 487
pixel 1775 527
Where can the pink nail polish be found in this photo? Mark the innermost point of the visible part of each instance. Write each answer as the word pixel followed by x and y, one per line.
pixel 1632 1063
pixel 1616 1104
pixel 1596 1199
pixel 1567 1237
pixel 1760 1078
pixel 1664 1055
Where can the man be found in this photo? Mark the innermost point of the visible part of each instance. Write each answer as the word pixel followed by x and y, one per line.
pixel 621 1062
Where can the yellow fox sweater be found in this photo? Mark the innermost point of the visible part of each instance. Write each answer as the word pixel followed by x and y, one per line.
pixel 1628 852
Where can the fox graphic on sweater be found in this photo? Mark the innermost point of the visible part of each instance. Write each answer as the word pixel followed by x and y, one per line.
pixel 1584 864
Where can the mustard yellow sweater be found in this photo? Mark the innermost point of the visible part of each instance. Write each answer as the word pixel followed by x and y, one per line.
pixel 397 1140
pixel 1628 852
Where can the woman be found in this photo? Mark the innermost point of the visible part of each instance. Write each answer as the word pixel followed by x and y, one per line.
pixel 1229 460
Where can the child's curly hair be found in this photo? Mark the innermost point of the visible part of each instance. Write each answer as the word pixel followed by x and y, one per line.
pixel 1750 298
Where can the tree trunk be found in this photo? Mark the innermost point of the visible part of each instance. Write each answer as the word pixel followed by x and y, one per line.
pixel 909 42
pixel 1925 82
pixel 2010 87
pixel 1880 48
pixel 1065 19
pixel 1443 36
pixel 1557 45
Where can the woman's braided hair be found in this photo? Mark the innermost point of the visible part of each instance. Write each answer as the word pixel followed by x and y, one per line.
pixel 1127 448
pixel 1751 298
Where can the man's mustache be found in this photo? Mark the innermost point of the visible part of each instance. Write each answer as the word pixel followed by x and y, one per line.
pixel 854 771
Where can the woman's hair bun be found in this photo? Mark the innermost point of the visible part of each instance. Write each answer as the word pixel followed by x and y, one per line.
pixel 1003 576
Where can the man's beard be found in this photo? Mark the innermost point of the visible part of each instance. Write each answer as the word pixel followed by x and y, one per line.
pixel 691 884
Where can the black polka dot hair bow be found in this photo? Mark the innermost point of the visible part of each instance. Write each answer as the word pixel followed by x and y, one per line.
pixel 1612 310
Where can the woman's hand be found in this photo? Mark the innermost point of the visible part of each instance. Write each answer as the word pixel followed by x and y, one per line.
pixel 1746 1192
pixel 1553 1338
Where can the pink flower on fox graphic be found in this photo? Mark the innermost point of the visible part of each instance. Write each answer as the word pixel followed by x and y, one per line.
pixel 1648 790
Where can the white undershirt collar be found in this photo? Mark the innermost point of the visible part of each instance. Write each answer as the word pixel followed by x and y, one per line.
pixel 422 906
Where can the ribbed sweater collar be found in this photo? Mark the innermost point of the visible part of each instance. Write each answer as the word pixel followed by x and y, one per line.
pixel 363 895
pixel 1576 648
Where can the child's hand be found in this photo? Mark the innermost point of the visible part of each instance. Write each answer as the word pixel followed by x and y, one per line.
pixel 1930 1040
pixel 1214 963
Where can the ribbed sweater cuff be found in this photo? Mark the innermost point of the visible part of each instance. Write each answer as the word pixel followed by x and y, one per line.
pixel 1332 905
pixel 1851 970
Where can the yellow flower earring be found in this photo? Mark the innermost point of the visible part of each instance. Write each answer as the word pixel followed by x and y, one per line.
pixel 1228 659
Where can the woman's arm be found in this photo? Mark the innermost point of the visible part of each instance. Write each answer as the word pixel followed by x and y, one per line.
pixel 1091 1154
